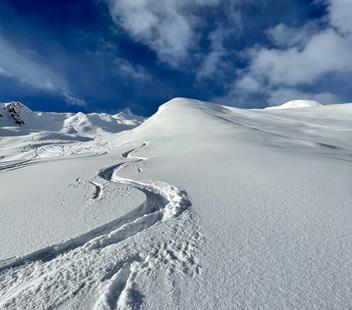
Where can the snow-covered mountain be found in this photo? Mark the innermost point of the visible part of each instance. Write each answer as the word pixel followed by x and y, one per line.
pixel 13 113
pixel 202 206
pixel 26 133
pixel 87 125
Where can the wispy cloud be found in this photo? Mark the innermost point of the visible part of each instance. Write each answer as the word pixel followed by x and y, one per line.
pixel 3 72
pixel 214 61
pixel 72 100
pixel 283 36
pixel 131 71
pixel 17 64
pixel 340 15
pixel 24 68
pixel 168 26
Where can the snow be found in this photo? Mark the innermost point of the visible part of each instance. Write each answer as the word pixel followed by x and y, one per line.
pixel 58 201
pixel 294 104
pixel 202 206
pixel 88 125
pixel 45 134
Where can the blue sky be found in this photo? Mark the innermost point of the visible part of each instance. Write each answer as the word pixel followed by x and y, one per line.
pixel 105 55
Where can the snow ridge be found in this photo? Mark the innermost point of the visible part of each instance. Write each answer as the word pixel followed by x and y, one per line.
pixel 295 104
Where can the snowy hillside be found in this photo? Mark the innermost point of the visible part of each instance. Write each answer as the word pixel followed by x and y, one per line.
pixel 26 133
pixel 202 206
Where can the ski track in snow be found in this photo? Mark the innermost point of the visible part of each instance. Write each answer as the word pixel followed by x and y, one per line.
pixel 98 193
pixel 57 151
pixel 100 259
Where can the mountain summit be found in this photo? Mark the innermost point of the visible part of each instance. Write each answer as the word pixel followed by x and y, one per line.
pixel 14 112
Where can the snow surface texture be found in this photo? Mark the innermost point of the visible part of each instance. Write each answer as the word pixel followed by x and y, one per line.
pixel 212 207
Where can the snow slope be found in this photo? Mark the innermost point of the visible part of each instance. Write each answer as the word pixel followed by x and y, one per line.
pixel 243 209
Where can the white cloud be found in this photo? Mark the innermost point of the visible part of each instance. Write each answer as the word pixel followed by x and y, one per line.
pixel 326 52
pixel 128 70
pixel 213 61
pixel 166 26
pixel 211 64
pixel 21 66
pixel 284 36
pixel 279 74
pixel 18 65
pixel 72 100
pixel 340 12
pixel 300 58
pixel 3 72
pixel 248 84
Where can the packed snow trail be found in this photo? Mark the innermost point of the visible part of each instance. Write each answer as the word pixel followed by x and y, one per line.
pixel 103 259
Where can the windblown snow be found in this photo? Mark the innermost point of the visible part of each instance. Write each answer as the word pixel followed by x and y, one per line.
pixel 201 206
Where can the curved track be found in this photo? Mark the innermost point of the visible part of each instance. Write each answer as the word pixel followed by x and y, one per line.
pixel 28 279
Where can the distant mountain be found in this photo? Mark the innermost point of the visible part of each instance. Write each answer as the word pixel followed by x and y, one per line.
pixel 16 114
pixel 13 113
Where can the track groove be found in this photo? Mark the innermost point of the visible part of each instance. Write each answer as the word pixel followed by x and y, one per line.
pixel 163 202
